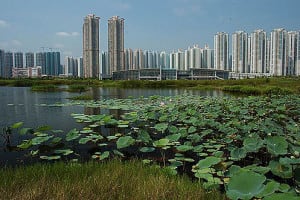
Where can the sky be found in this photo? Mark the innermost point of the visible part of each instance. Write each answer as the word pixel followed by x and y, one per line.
pixel 159 25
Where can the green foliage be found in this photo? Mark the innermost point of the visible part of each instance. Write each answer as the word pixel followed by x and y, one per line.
pixel 245 185
pixel 215 138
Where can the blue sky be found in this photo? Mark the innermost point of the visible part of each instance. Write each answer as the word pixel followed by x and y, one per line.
pixel 28 25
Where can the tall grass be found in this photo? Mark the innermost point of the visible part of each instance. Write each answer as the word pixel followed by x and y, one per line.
pixel 110 180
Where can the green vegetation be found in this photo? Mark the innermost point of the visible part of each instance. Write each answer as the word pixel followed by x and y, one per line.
pixel 220 141
pixel 109 180
pixel 77 88
pixel 45 88
pixel 82 97
pixel 257 86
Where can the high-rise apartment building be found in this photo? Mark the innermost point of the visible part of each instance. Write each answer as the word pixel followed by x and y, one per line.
pixel 240 52
pixel 52 64
pixel 293 53
pixel 115 44
pixel 29 59
pixel 258 59
pixel 2 63
pixel 18 57
pixel 91 67
pixel 221 54
pixel 207 58
pixel 71 66
pixel 138 59
pixel 8 64
pixel 164 60
pixel 128 58
pixel 40 59
pixel 195 57
pixel 278 54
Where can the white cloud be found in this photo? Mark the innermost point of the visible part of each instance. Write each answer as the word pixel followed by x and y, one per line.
pixel 16 42
pixel 66 34
pixel 3 23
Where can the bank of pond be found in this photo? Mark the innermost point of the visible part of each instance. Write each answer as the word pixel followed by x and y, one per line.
pixel 244 147
pixel 256 86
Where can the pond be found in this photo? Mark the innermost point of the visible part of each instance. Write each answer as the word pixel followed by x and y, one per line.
pixel 20 104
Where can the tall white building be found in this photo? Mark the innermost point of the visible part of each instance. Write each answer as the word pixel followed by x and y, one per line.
pixel 278 52
pixel 179 60
pixel 293 53
pixel 115 44
pixel 207 58
pixel 128 57
pixel 195 57
pixel 164 60
pixel 91 46
pixel 240 52
pixel 259 52
pixel 221 54
pixel 138 59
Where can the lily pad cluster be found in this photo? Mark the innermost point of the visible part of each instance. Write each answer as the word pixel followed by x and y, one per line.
pixel 248 146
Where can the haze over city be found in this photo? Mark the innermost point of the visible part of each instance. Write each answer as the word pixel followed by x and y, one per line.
pixel 155 25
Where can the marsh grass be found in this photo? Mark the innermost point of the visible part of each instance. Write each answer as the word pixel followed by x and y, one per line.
pixel 111 180
pixel 77 88
pixel 244 86
pixel 82 97
pixel 45 88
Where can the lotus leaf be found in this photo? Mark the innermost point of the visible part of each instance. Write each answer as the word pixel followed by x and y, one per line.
pixel 208 162
pixel 147 149
pixel 50 157
pixel 144 136
pixel 118 153
pixel 281 196
pixel 164 142
pixel 25 144
pixel 84 140
pixel 56 140
pixel 192 129
pixel 43 128
pixel 277 145
pixel 284 187
pixel 183 148
pixel 125 141
pixel 245 185
pixel 161 127
pixel 40 140
pixel 283 171
pixel 270 188
pixel 173 129
pixel 17 125
pixel 24 131
pixel 64 152
pixel 253 144
pixel 72 135
pixel 238 153
pixel 174 137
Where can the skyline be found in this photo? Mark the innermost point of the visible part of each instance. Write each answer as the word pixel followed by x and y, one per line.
pixel 156 25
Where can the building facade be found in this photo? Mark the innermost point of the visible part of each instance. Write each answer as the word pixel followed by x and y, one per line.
pixel 115 44
pixel 2 63
pixel 91 47
pixel 278 54
pixel 29 59
pixel 258 59
pixel 8 64
pixel 240 52
pixel 18 58
pixel 221 54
